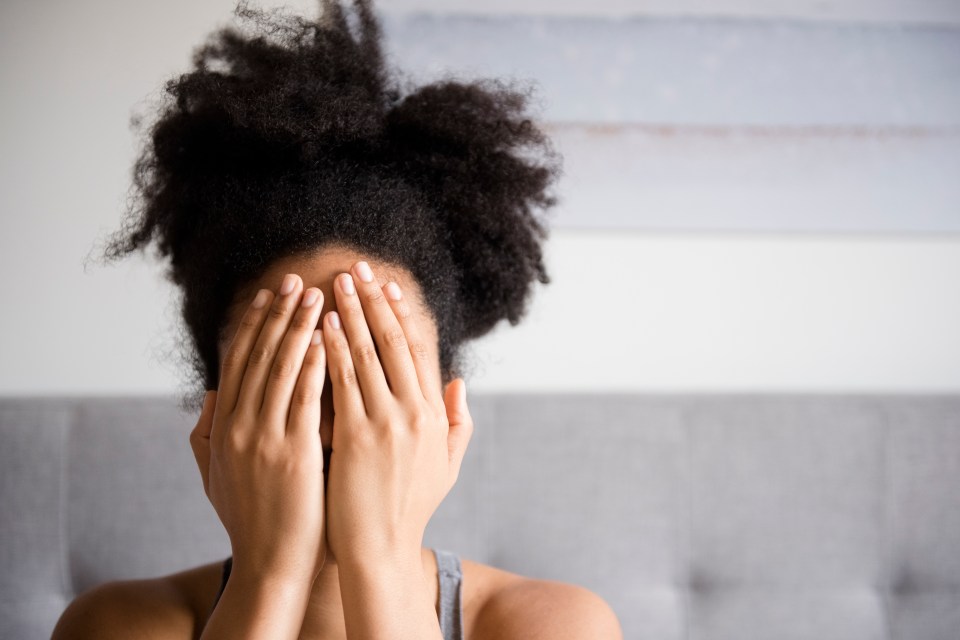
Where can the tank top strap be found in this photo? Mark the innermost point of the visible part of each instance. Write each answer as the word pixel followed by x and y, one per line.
pixel 450 577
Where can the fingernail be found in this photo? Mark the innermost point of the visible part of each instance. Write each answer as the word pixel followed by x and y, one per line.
pixel 317 337
pixel 334 319
pixel 393 291
pixel 363 270
pixel 289 281
pixel 346 283
pixel 261 299
pixel 310 297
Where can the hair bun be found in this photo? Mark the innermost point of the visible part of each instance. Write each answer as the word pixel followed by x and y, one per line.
pixel 484 167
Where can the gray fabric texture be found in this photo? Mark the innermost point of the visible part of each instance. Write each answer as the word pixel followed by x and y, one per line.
pixel 701 517
pixel 449 578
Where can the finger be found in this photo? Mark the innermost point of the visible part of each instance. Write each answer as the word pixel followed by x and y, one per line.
pixel 200 439
pixel 288 363
pixel 304 419
pixel 363 351
pixel 391 342
pixel 427 374
pixel 234 361
pixel 347 397
pixel 461 425
pixel 264 352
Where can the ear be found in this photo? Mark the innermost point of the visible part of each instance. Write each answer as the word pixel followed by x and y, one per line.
pixel 200 438
pixel 461 424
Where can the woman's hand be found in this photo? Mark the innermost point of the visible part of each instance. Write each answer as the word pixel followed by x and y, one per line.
pixel 397 442
pixel 257 442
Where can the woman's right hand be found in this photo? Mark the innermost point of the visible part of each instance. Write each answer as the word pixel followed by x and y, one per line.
pixel 257 441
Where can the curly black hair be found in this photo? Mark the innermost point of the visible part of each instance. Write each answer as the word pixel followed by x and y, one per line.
pixel 294 137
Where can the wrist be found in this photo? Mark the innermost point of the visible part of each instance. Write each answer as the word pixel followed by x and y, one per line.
pixel 387 595
pixel 258 606
pixel 275 580
pixel 389 561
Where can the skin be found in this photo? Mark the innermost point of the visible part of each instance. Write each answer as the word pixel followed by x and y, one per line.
pixel 332 552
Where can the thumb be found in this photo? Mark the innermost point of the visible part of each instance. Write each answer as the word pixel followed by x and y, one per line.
pixel 461 424
pixel 200 437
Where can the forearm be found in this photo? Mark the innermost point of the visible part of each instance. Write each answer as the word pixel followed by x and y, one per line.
pixel 388 600
pixel 255 608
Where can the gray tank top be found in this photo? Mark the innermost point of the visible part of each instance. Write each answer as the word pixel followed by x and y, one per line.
pixel 449 577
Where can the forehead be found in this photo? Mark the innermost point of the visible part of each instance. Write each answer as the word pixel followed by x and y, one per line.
pixel 319 269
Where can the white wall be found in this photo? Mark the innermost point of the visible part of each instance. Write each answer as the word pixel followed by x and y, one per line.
pixel 858 11
pixel 691 311
pixel 737 312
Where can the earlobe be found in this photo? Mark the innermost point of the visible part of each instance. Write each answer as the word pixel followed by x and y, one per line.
pixel 209 406
pixel 455 401
pixel 209 401
pixel 461 391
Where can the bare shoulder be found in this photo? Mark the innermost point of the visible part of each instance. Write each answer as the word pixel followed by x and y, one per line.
pixel 504 605
pixel 170 607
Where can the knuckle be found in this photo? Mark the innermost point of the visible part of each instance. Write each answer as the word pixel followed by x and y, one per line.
pixel 264 454
pixel 364 354
pixel 363 440
pixel 403 310
pixel 249 322
pixel 277 312
pixel 395 338
pixel 305 396
pixel 234 442
pixel 347 376
pixel 338 343
pixel 398 425
pixel 291 466
pixel 419 351
pixel 335 343
pixel 374 295
pixel 232 360
pixel 416 421
pixel 260 354
pixel 283 368
pixel 424 422
pixel 302 321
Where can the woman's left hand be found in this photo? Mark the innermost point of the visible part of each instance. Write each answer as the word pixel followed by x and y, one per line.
pixel 398 441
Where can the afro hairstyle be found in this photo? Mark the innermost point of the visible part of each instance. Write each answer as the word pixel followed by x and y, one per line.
pixel 290 134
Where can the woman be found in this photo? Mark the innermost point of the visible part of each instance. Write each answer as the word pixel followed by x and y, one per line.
pixel 336 240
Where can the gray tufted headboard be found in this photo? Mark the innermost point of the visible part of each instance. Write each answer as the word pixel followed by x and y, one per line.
pixel 700 517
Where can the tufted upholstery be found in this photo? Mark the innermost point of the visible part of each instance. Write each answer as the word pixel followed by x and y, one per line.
pixel 696 516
